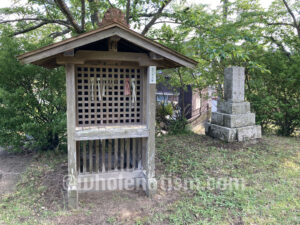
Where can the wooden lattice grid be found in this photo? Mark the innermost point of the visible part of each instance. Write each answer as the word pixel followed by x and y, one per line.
pixel 111 107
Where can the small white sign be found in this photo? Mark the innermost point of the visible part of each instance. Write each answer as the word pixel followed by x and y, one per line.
pixel 152 74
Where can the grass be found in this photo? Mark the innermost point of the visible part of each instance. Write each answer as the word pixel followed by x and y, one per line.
pixel 269 170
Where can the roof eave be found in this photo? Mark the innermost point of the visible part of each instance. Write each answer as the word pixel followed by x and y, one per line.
pixel 102 33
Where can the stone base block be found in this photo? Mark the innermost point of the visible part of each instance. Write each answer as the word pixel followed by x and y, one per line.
pixel 233 120
pixel 233 134
pixel 233 107
pixel 248 133
pixel 223 133
pixel 217 118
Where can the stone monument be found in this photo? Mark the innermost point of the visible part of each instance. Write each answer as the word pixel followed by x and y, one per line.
pixel 233 120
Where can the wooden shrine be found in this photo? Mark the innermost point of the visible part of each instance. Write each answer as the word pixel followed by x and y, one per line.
pixel 111 85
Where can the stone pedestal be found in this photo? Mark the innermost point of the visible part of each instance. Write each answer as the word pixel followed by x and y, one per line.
pixel 233 120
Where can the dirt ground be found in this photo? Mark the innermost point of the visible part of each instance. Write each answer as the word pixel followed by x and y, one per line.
pixel 11 166
pixel 117 207
pixel 110 207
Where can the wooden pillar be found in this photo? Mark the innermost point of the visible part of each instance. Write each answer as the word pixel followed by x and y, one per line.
pixel 151 183
pixel 71 125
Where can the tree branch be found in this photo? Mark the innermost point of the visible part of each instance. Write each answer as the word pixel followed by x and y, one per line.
pixel 17 20
pixel 42 23
pixel 155 17
pixel 61 22
pixel 111 5
pixel 61 33
pixel 82 14
pixel 65 10
pixel 30 28
pixel 293 16
pixel 283 24
pixel 173 22
pixel 290 12
pixel 127 11
pixel 279 45
pixel 94 12
pixel 146 15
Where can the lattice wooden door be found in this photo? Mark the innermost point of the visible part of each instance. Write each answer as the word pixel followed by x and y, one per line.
pixel 101 97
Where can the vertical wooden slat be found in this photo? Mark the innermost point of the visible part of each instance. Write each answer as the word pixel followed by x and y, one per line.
pixel 127 153
pixel 144 152
pixel 144 96
pixel 139 150
pixel 133 153
pixel 91 156
pixel 93 121
pixel 119 96
pixel 103 149
pixel 122 154
pixel 97 156
pixel 116 154
pixel 84 156
pixel 101 90
pixel 78 156
pixel 112 95
pixel 89 96
pixel 109 154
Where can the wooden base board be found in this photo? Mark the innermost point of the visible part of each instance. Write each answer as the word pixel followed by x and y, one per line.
pixel 111 181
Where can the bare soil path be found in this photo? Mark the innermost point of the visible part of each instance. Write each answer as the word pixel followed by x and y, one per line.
pixel 11 166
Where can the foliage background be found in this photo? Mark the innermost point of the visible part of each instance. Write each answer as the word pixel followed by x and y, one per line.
pixel 32 99
pixel 237 33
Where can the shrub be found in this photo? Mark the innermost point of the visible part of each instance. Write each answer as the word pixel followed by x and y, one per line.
pixel 177 124
pixel 32 101
pixel 163 112
pixel 275 96
pixel 171 118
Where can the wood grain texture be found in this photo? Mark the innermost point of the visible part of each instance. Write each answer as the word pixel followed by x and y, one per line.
pixel 103 151
pixel 122 153
pixel 84 157
pixel 116 154
pixel 107 133
pixel 71 124
pixel 91 152
pixel 151 109
pixel 109 164
pixel 83 56
pixel 127 147
pixel 97 156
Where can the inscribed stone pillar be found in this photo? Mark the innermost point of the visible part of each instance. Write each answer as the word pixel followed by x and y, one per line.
pixel 233 120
